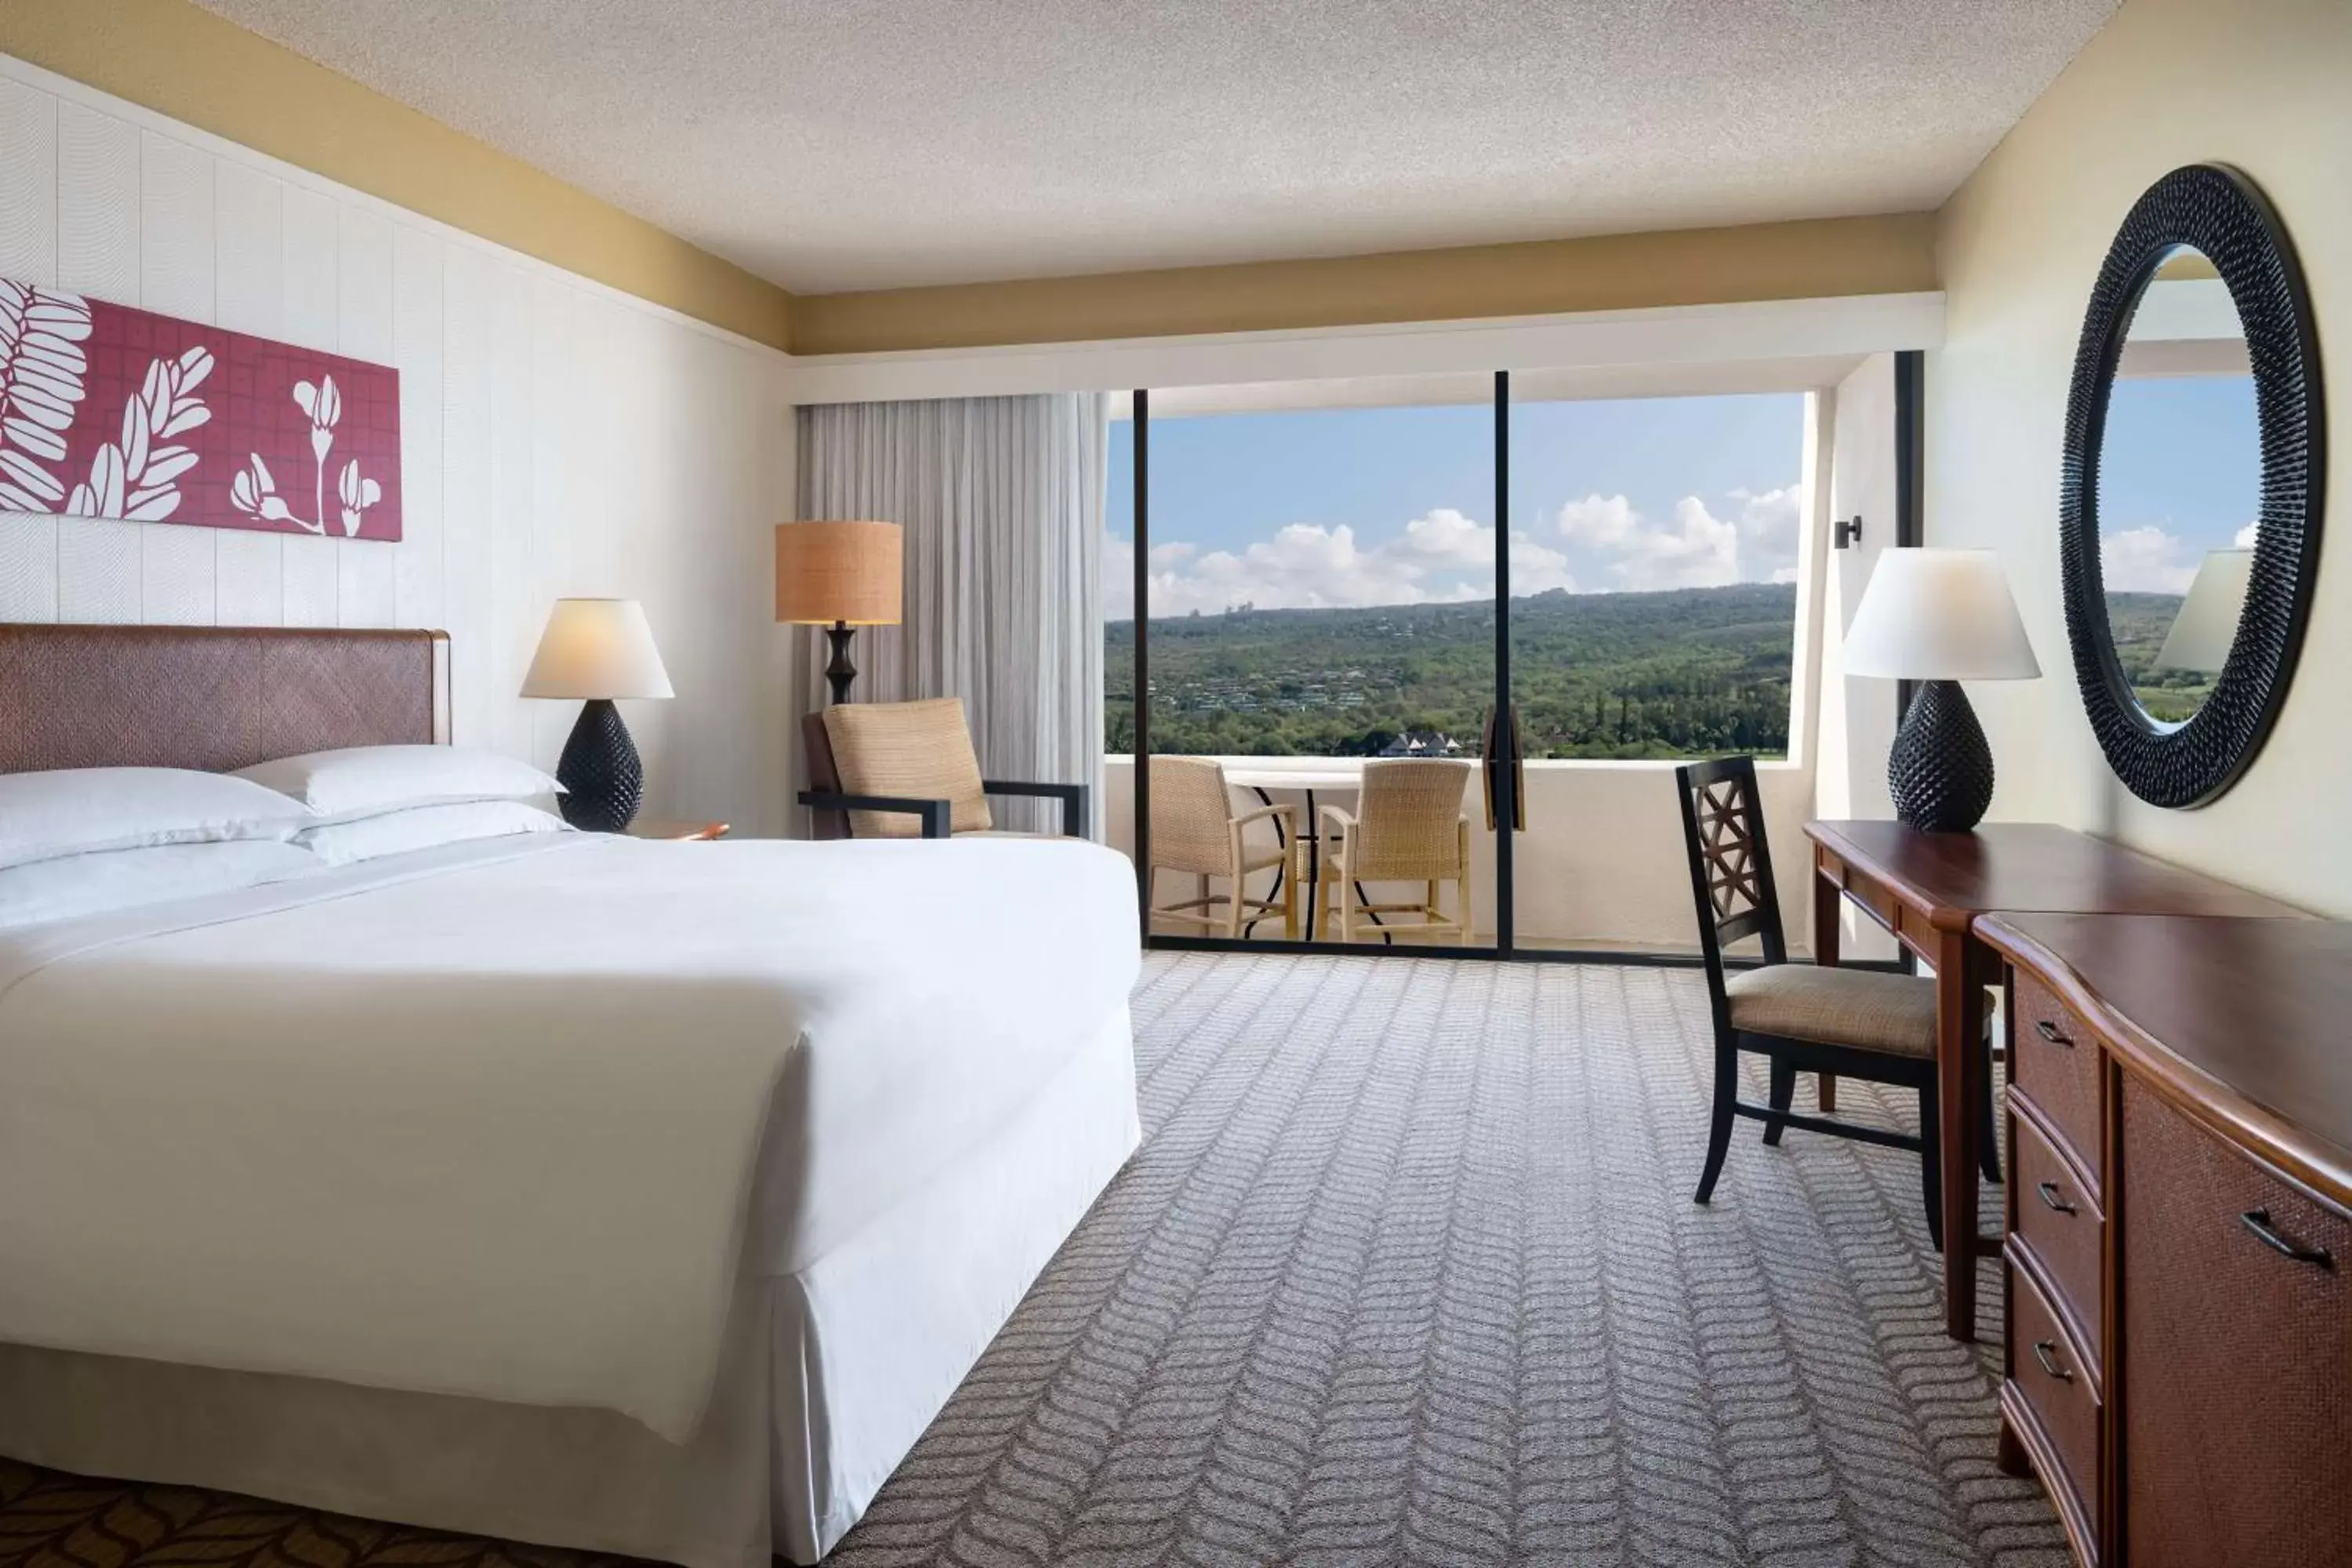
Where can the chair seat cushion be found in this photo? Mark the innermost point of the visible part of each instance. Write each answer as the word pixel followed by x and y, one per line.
pixel 1857 1007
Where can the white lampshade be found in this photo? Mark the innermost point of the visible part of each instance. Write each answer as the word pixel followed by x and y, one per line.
pixel 597 648
pixel 2208 622
pixel 1938 614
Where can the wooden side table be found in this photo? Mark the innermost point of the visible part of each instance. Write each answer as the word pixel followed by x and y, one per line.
pixel 677 830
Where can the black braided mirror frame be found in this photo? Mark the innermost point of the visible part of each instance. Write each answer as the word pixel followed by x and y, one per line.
pixel 2221 212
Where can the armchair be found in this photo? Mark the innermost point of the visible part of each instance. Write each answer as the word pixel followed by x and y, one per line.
pixel 907 770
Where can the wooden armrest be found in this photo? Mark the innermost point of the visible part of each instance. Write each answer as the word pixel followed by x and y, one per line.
pixel 933 812
pixel 1339 816
pixel 1072 796
pixel 1283 809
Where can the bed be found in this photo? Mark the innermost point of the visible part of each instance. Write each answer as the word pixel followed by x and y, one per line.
pixel 635 1196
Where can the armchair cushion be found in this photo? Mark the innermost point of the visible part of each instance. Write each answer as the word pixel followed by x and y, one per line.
pixel 917 749
pixel 1870 1011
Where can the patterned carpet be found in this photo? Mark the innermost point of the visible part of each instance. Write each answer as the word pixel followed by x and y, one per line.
pixel 1406 1272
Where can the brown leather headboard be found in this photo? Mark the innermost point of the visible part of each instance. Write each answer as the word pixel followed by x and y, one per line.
pixel 215 698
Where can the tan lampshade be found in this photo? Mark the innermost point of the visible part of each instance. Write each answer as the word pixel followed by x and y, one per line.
pixel 597 647
pixel 2208 622
pixel 848 572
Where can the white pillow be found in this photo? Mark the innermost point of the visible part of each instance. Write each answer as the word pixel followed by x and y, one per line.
pixel 75 885
pixel 423 828
pixel 359 780
pixel 74 811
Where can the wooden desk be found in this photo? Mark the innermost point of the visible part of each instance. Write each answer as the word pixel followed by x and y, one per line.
pixel 1927 890
pixel 2179 1363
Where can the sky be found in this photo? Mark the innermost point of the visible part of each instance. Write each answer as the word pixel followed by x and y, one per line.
pixel 1389 505
pixel 2180 473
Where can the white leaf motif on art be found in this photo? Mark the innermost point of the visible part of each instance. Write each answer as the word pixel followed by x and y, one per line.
pixel 42 367
pixel 255 491
pixel 134 475
pixel 358 494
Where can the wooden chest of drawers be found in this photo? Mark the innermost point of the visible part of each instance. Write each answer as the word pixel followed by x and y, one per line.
pixel 2179 1360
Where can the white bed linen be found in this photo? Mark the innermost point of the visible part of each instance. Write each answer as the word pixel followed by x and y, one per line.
pixel 484 1122
pixel 827 1379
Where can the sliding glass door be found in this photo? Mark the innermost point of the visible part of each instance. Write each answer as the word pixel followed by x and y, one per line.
pixel 1349 596
pixel 1317 576
pixel 1658 548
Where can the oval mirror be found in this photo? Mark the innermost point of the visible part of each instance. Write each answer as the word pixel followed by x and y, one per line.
pixel 2190 500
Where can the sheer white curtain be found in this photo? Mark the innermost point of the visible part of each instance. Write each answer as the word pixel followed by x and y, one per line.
pixel 1001 501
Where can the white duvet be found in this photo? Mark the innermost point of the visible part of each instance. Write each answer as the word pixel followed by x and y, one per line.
pixel 485 1122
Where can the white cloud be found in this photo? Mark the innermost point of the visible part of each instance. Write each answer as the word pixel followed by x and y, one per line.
pixel 2245 537
pixel 1770 525
pixel 1446 554
pixel 1446 537
pixel 2145 560
pixel 1441 555
pixel 1757 541
pixel 1538 568
pixel 1598 519
pixel 1699 550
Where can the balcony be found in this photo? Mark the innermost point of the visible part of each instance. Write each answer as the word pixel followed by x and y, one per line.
pixel 1600 866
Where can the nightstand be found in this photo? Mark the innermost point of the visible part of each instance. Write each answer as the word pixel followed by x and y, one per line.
pixel 677 830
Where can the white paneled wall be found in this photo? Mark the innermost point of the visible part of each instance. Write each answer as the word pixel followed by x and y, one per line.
pixel 556 437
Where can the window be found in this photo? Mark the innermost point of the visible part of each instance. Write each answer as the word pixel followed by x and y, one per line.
pixel 1322 579
pixel 1654 574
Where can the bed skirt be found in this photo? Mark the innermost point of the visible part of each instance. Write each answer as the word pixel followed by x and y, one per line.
pixel 828 1377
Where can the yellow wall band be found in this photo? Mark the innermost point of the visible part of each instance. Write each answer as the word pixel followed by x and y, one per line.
pixel 1816 258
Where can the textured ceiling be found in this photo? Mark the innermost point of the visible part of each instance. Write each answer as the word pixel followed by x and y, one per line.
pixel 839 145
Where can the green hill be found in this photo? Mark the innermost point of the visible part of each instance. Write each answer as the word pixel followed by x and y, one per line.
pixel 1688 672
pixel 2138 622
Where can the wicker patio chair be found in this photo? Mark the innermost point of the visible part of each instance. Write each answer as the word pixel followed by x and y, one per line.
pixel 1407 827
pixel 1195 829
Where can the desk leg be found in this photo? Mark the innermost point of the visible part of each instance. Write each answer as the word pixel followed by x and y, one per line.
pixel 1959 1070
pixel 1826 893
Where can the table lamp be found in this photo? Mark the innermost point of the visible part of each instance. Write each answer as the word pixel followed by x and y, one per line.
pixel 2208 622
pixel 598 649
pixel 1939 617
pixel 840 576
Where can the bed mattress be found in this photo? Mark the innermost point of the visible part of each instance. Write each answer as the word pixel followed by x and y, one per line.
pixel 512 1123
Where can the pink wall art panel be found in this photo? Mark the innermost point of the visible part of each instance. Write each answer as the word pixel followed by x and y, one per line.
pixel 111 412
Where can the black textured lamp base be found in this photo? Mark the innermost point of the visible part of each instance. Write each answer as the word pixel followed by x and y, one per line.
pixel 1940 769
pixel 601 777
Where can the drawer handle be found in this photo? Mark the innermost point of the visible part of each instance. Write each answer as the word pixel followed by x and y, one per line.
pixel 2259 1222
pixel 2049 1190
pixel 2052 1033
pixel 2046 1353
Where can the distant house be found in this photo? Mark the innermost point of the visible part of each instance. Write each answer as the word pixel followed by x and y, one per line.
pixel 1422 743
